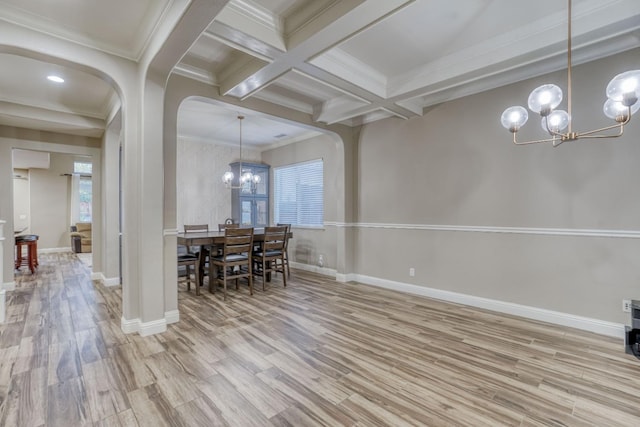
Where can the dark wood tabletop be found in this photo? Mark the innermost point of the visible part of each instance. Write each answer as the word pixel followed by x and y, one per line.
pixel 214 237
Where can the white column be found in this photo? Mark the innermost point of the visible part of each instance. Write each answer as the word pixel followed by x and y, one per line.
pixel 2 291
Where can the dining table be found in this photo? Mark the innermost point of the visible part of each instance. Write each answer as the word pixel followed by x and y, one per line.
pixel 213 238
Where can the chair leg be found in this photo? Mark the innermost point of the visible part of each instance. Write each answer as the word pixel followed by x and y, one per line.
pixel 224 280
pixel 250 279
pixel 288 270
pixel 284 276
pixel 212 278
pixel 197 277
pixel 188 269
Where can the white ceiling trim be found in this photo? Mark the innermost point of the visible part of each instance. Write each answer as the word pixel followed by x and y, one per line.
pixel 214 32
pixel 27 20
pixel 528 40
pixel 339 88
pixel 287 102
pixel 195 73
pixel 254 21
pixel 51 106
pixel 21 110
pixel 345 66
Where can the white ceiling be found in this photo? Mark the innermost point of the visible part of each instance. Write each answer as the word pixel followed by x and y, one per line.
pixel 349 61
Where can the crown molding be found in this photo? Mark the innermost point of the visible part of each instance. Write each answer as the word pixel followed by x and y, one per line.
pixel 195 73
pixel 477 62
pixel 254 20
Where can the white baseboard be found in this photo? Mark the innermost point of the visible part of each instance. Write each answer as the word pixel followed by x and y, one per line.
pixel 108 282
pixel 154 327
pixel 9 286
pixel 2 303
pixel 314 269
pixel 130 326
pixel 344 278
pixel 172 316
pixel 564 319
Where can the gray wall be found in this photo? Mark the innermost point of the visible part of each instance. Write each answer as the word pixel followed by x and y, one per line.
pixel 202 197
pixel 457 167
pixel 50 202
pixel 309 243
pixel 21 200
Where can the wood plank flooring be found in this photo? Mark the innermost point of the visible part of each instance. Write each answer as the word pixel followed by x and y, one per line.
pixel 317 353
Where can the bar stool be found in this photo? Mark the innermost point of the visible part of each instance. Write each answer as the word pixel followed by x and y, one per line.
pixel 31 242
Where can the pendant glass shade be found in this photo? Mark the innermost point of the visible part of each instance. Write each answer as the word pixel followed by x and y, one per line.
pixel 246 177
pixel 625 87
pixel 617 111
pixel 227 178
pixel 514 117
pixel 544 99
pixel 556 121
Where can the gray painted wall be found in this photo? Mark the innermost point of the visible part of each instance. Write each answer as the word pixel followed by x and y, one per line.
pixel 457 166
pixel 202 197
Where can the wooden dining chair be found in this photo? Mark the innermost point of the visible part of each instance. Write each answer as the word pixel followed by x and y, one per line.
pixel 203 260
pixel 286 248
pixel 222 227
pixel 270 257
pixel 236 252
pixel 189 260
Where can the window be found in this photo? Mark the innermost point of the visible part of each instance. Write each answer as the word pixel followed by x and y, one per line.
pixel 83 167
pixel 83 196
pixel 298 194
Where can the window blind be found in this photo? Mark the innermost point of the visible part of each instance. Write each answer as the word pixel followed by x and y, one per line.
pixel 299 194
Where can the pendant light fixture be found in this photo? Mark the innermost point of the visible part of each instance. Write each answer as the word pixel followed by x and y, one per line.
pixel 622 92
pixel 246 181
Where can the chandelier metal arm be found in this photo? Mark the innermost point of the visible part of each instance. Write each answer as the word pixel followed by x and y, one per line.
pixel 567 137
pixel 532 142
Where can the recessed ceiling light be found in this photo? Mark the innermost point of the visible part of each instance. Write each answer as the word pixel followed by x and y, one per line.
pixel 56 79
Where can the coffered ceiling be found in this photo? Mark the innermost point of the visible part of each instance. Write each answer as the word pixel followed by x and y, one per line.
pixel 349 61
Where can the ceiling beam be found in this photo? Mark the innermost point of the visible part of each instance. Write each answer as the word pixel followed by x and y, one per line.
pixel 332 27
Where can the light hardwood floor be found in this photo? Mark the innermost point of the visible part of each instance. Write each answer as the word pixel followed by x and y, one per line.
pixel 315 353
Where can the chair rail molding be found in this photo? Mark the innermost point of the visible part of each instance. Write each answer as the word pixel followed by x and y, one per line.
pixel 626 234
pixel 170 232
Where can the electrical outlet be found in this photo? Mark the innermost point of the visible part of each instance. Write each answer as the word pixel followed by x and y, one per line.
pixel 412 273
pixel 626 305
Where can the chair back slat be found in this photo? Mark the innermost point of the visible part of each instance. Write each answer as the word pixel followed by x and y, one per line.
pixel 286 241
pixel 222 227
pixel 194 228
pixel 274 238
pixel 237 241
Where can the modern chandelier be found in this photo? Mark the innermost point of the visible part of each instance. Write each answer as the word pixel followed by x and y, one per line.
pixel 622 92
pixel 245 176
